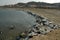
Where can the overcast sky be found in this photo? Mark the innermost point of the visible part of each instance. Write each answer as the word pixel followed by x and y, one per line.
pixel 6 2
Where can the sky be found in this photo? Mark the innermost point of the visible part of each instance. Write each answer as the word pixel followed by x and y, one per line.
pixel 6 2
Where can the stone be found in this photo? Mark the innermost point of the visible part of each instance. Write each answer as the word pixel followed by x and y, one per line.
pixel 34 15
pixel 1 32
pixel 34 30
pixel 38 21
pixel 32 34
pixel 27 38
pixel 37 16
pixel 23 35
pixel 12 27
pixel 44 19
pixel 55 26
pixel 44 30
pixel 17 38
pixel 46 23
pixel 29 13
pixel 58 26
pixel 51 25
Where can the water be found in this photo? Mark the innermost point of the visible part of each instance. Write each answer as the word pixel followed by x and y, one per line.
pixel 20 19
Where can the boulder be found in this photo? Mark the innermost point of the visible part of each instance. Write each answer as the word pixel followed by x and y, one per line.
pixel 46 23
pixel 51 25
pixel 23 35
pixel 0 32
pixel 34 15
pixel 12 27
pixel 30 13
pixel 55 26
pixel 58 26
pixel 32 34
pixel 17 38
pixel 44 30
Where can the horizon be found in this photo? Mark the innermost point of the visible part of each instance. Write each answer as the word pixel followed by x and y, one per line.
pixel 10 2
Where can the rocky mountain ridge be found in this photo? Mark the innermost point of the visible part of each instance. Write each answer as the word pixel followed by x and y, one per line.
pixel 35 4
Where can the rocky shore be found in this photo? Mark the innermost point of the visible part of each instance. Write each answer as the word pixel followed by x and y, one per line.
pixel 42 27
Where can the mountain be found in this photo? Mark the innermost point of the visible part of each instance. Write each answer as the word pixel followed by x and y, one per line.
pixel 35 4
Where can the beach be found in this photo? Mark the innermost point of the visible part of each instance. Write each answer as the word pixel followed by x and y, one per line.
pixel 52 15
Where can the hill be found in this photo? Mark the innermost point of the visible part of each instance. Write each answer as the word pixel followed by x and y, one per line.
pixel 35 4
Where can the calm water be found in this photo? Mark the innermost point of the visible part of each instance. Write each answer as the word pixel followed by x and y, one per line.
pixel 20 19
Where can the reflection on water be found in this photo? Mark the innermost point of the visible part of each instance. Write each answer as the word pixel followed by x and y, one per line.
pixel 19 19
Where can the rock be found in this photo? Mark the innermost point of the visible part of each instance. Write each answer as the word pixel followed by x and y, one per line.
pixel 44 30
pixel 1 32
pixel 38 21
pixel 38 32
pixel 27 38
pixel 29 13
pixel 46 23
pixel 32 34
pixel 58 26
pixel 34 15
pixel 44 19
pixel 34 25
pixel 34 30
pixel 39 17
pixel 17 38
pixel 12 27
pixel 23 35
pixel 50 25
pixel 55 26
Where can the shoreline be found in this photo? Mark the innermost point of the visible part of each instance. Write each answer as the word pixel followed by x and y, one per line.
pixel 42 27
pixel 45 15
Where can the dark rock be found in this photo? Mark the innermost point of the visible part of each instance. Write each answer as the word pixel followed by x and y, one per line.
pixel 17 38
pixel 30 36
pixel 50 25
pixel 27 38
pixel 44 30
pixel 34 15
pixel 23 35
pixel 55 26
pixel 58 26
pixel 29 13
pixel 12 27
pixel 38 32
pixel 0 32
pixel 34 25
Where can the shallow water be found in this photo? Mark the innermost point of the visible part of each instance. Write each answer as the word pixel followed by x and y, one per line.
pixel 20 19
